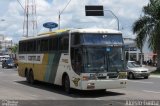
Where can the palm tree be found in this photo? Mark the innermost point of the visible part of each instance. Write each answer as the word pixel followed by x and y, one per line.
pixel 147 27
pixel 14 49
pixel 140 42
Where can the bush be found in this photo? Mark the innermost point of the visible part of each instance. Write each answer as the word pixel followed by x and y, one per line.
pixel 156 72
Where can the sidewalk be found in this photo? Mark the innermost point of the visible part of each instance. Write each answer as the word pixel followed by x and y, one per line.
pixel 154 76
pixel 151 68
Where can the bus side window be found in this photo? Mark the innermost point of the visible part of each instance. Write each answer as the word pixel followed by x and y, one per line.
pixel 76 60
pixel 44 45
pixel 53 44
pixel 38 46
pixel 76 39
pixel 64 43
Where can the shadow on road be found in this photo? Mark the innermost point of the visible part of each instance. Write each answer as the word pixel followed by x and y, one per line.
pixel 138 79
pixel 75 93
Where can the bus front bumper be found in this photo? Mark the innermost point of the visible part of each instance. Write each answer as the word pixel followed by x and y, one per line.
pixel 103 84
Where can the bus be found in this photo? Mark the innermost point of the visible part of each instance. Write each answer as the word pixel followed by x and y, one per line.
pixel 83 59
pixel 4 57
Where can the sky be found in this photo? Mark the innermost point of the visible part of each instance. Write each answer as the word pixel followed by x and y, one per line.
pixel 127 11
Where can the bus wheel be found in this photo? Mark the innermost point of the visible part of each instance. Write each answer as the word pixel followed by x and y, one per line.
pixel 146 77
pixel 31 77
pixel 67 84
pixel 131 76
pixel 27 76
pixel 103 90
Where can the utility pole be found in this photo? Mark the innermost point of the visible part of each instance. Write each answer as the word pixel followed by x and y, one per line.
pixel 27 13
pixel 97 10
pixel 30 17
pixel 60 13
pixel 115 17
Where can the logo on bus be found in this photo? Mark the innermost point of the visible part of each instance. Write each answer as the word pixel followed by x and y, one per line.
pixel 75 81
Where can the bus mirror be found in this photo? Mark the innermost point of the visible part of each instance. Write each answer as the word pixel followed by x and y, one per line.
pixel 108 49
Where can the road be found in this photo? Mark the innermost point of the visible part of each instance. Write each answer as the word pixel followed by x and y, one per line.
pixel 13 87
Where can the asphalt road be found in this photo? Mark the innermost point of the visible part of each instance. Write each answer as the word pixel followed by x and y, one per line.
pixel 13 87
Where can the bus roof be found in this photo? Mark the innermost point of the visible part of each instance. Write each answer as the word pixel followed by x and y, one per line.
pixel 96 30
pixel 89 30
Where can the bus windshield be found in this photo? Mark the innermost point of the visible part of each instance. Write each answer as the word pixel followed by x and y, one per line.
pixel 97 52
pixel 97 39
pixel 102 59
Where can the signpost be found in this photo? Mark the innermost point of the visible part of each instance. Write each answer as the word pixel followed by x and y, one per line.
pixel 98 10
pixel 94 10
pixel 50 25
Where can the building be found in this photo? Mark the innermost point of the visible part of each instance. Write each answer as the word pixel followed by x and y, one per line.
pixel 133 53
pixel 5 45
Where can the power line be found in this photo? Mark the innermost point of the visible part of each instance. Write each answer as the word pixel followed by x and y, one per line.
pixel 60 12
pixel 21 5
pixel 65 7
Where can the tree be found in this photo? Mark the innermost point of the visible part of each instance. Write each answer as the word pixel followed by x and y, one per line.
pixel 14 49
pixel 139 41
pixel 147 27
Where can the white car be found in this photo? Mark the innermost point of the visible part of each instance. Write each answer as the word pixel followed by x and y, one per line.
pixel 134 70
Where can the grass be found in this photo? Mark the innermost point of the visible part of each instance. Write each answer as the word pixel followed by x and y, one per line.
pixel 157 72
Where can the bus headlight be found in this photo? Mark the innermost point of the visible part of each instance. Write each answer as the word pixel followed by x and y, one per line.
pixel 85 78
pixel 90 86
pixel 91 77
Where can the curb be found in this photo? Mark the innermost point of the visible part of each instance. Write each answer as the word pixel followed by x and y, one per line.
pixel 155 76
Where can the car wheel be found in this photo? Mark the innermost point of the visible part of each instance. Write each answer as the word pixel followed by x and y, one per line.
pixel 67 84
pixel 131 76
pixel 146 77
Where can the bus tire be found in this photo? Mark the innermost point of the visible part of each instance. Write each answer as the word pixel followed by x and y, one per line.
pixel 67 84
pixel 131 76
pixel 103 90
pixel 27 76
pixel 146 77
pixel 31 77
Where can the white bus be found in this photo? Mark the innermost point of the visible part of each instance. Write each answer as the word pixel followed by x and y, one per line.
pixel 4 57
pixel 84 59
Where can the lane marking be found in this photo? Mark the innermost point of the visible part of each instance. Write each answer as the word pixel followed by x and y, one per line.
pixel 142 82
pixel 150 91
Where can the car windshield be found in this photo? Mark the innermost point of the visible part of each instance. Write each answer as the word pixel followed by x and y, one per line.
pixel 132 64
pixel 102 59
pixel 9 61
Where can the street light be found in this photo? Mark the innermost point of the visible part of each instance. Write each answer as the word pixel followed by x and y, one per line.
pixel 115 17
pixel 99 11
pixel 60 12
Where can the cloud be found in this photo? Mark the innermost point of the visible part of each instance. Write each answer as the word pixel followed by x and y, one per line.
pixel 127 12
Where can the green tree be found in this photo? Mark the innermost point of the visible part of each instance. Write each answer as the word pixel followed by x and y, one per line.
pixel 147 27
pixel 14 49
pixel 139 41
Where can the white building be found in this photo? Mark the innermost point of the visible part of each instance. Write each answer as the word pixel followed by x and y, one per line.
pixel 5 45
pixel 134 53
